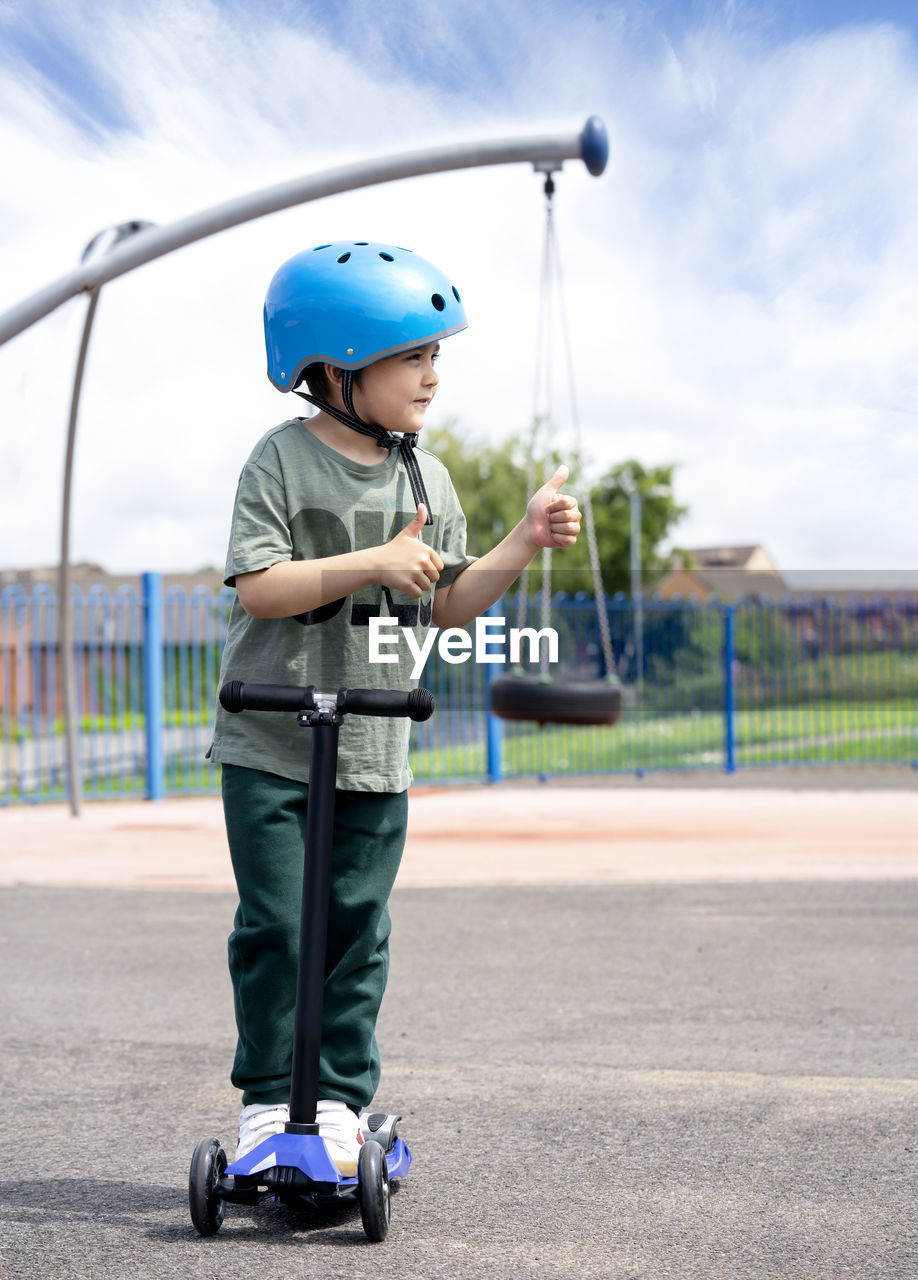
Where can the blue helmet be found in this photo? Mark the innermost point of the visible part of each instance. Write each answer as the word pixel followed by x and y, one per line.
pixel 351 303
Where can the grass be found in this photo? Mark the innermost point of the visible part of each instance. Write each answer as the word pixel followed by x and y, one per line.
pixel 828 731
pixel 869 733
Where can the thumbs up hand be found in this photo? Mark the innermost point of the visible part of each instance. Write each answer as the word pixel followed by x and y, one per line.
pixel 406 563
pixel 413 529
pixel 553 518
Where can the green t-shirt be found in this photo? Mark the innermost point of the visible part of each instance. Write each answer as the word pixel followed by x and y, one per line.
pixel 298 499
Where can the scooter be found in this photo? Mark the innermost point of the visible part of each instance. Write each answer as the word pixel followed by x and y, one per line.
pixel 294 1167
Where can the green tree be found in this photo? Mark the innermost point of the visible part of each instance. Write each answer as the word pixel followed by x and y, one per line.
pixel 491 481
pixel 611 496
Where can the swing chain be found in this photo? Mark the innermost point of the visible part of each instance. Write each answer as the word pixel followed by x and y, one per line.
pixel 552 287
pixel 541 411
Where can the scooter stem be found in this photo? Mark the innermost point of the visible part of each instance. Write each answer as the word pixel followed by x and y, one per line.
pixel 310 986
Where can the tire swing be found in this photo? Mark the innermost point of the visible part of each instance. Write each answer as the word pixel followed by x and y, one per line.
pixel 538 697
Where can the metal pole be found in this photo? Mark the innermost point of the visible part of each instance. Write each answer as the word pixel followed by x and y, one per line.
pixel 65 603
pixel 729 721
pixel 637 600
pixel 153 684
pixel 494 734
pixel 590 145
pixel 113 236
pixel 310 982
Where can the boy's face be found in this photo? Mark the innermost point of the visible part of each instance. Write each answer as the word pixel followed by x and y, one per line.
pixel 395 393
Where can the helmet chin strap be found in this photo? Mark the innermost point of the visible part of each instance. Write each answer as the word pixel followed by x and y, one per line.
pixel 405 443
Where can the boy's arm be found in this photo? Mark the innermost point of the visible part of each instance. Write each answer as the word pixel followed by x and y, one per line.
pixel 291 587
pixel 552 519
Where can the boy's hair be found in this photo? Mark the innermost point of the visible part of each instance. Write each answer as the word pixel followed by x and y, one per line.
pixel 314 377
pixel 316 380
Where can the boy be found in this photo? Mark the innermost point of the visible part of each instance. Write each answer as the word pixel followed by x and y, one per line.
pixel 329 531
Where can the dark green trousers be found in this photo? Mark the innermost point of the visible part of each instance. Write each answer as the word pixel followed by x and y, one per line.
pixel 266 827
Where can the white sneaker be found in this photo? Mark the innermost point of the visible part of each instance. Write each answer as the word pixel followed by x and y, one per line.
pixel 258 1121
pixel 339 1128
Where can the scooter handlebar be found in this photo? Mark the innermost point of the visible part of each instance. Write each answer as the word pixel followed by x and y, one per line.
pixel 238 696
pixel 416 704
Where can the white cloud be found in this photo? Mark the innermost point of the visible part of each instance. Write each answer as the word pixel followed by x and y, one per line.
pixel 739 284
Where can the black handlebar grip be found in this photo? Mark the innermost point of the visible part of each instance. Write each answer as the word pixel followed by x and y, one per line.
pixel 416 704
pixel 420 704
pixel 238 696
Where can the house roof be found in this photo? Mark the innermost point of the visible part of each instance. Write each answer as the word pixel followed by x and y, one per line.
pixel 735 557
pixel 86 575
pixel 729 585
pixel 723 555
pixel 726 584
pixel 109 606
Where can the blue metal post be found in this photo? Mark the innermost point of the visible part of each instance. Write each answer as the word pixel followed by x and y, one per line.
pixel 493 727
pixel 729 727
pixel 153 684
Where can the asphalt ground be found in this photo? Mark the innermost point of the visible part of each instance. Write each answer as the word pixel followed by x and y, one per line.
pixel 620 1081
pixel 689 1074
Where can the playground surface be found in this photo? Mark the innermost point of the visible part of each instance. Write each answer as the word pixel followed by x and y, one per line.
pixel 642 1030
pixel 776 825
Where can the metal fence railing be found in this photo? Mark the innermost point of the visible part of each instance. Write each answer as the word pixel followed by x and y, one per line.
pixel 706 686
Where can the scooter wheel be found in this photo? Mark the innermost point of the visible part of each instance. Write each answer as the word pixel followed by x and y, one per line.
pixel 373 1190
pixel 207 1168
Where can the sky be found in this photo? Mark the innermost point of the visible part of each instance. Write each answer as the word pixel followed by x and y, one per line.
pixel 740 284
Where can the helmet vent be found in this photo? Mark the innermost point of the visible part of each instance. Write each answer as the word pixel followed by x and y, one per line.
pixel 438 301
pixel 456 293
pixel 344 257
pixel 361 243
pixel 387 257
pixel 321 246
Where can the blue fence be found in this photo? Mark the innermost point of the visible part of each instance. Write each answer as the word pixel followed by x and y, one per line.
pixel 706 686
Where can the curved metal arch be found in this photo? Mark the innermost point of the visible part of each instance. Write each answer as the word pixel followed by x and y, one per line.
pixel 589 145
